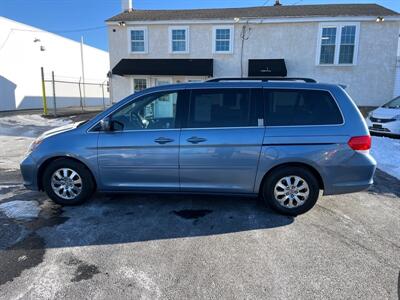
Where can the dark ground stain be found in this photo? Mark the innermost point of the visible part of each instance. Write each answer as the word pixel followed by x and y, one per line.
pixel 398 286
pixel 29 251
pixel 84 271
pixel 50 215
pixel 192 213
pixel 23 255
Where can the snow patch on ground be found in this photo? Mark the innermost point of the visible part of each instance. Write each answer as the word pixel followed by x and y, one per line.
pixel 386 151
pixel 16 134
pixel 28 125
pixel 34 120
pixel 19 209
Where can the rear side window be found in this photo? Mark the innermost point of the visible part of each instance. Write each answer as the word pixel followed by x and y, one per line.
pixel 301 107
pixel 221 108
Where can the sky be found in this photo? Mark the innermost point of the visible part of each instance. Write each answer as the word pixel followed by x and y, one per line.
pixel 76 18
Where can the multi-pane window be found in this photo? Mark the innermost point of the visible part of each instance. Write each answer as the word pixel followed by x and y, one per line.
pixel 328 44
pixel 138 40
pixel 338 44
pixel 223 40
pixel 179 39
pixel 139 84
pixel 347 43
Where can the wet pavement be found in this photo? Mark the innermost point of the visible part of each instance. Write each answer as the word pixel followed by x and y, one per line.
pixel 130 246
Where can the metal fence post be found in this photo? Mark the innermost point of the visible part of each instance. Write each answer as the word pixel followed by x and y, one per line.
pixel 54 94
pixel 80 93
pixel 44 93
pixel 102 92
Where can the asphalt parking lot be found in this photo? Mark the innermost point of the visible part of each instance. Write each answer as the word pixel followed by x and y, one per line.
pixel 128 246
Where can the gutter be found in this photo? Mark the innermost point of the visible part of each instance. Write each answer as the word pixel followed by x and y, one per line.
pixel 252 20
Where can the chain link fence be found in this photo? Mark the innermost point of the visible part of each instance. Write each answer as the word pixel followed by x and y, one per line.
pixel 74 96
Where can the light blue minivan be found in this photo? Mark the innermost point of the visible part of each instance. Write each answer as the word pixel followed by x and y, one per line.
pixel 285 140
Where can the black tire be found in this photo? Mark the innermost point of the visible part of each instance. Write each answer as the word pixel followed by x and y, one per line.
pixel 87 186
pixel 273 178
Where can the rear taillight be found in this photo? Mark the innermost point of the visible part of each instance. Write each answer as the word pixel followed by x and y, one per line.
pixel 360 142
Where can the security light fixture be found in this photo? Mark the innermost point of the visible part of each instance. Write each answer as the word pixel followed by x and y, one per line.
pixel 380 19
pixel 122 23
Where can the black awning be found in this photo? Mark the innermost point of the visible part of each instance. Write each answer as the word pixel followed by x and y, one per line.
pixel 183 67
pixel 267 67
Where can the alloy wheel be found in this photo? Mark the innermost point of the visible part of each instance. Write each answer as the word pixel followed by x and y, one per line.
pixel 66 183
pixel 291 191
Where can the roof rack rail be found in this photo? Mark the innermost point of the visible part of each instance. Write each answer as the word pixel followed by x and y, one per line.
pixel 263 79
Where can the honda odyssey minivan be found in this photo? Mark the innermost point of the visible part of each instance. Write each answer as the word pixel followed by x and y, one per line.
pixel 285 140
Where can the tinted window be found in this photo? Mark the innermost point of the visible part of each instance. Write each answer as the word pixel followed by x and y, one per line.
pixel 155 111
pixel 301 107
pixel 221 108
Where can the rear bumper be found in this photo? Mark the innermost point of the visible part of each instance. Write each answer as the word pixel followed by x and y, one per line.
pixel 353 187
pixel 28 169
pixel 354 176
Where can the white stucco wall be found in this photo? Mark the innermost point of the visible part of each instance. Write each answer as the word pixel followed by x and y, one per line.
pixel 370 82
pixel 21 59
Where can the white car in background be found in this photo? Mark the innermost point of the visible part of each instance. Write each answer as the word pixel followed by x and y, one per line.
pixel 385 119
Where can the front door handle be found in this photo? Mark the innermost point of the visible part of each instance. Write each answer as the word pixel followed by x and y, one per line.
pixel 196 140
pixel 163 140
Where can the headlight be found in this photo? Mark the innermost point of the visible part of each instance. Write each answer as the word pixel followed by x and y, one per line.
pixel 34 144
pixel 369 115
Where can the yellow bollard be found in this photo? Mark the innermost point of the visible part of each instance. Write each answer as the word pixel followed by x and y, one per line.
pixel 44 94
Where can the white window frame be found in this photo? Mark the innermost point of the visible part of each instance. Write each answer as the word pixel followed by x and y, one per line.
pixel 146 40
pixel 231 37
pixel 339 26
pixel 139 77
pixel 187 39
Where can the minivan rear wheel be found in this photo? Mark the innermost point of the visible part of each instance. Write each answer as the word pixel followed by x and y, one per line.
pixel 68 182
pixel 291 190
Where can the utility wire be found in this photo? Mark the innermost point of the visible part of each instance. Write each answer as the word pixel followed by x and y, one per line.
pixel 6 40
pixel 44 31
pixel 61 31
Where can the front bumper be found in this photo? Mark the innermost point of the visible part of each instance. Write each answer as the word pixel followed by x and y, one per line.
pixel 28 169
pixel 389 128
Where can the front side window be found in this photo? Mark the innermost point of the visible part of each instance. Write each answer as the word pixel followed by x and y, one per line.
pixel 138 40
pixel 139 84
pixel 338 44
pixel 179 40
pixel 221 108
pixel 301 107
pixel 155 111
pixel 223 37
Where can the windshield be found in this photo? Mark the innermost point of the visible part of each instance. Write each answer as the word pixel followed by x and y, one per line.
pixel 395 103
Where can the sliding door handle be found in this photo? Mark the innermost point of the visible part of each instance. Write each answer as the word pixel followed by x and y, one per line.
pixel 196 140
pixel 163 140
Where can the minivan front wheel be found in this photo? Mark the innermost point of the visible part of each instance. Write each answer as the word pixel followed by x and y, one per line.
pixel 291 190
pixel 68 182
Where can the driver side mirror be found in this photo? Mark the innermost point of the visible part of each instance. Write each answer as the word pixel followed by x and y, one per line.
pixel 106 124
